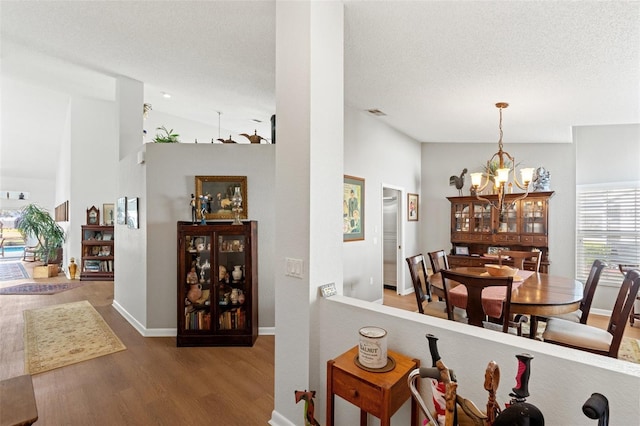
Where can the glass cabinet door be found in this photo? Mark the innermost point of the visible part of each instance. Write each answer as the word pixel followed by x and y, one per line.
pixel 533 216
pixel 232 286
pixel 508 219
pixel 461 217
pixel 197 283
pixel 481 217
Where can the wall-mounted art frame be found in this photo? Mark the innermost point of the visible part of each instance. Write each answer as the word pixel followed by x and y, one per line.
pixel 108 214
pixel 132 213
pixel 62 212
pixel 121 211
pixel 218 191
pixel 353 209
pixel 413 206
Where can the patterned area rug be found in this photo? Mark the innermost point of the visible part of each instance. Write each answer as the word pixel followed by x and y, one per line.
pixel 35 288
pixel 61 335
pixel 12 271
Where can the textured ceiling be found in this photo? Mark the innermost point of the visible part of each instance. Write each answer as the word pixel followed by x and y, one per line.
pixel 436 68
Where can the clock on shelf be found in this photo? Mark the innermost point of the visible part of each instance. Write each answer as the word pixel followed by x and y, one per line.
pixel 93 216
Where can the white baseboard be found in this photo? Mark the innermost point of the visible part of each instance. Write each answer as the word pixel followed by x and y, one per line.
pixel 169 332
pixel 278 419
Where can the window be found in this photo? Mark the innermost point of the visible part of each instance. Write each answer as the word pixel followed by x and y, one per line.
pixel 608 228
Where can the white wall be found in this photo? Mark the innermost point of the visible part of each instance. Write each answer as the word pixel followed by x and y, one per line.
pixel 380 155
pixel 561 379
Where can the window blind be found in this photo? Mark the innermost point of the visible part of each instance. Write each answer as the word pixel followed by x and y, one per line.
pixel 608 228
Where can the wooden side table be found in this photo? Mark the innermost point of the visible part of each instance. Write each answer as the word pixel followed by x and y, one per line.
pixel 380 394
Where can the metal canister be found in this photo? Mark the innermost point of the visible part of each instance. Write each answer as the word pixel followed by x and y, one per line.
pixel 372 351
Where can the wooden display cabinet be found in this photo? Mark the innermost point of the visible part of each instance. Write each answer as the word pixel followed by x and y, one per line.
pixel 522 226
pixel 98 253
pixel 217 284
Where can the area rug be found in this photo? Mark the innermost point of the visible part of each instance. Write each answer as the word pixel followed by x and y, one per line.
pixel 12 271
pixel 35 288
pixel 61 335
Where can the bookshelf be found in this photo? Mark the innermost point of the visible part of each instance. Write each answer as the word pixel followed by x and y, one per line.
pixel 98 253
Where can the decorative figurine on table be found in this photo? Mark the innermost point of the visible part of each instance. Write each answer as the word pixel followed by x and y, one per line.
pixel 309 406
pixel 194 215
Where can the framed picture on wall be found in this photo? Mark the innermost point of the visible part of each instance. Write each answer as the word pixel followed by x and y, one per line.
pixel 132 213
pixel 353 209
pixel 214 193
pixel 121 211
pixel 108 214
pixel 412 207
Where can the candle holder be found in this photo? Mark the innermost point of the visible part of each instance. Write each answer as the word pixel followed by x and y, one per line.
pixel 236 203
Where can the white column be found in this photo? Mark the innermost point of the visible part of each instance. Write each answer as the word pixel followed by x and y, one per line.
pixel 309 170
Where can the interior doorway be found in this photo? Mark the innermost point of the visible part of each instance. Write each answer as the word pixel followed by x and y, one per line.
pixel 392 276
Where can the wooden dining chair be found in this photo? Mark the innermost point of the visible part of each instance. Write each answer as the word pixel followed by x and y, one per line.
pixel 475 285
pixel 439 262
pixel 520 256
pixel 418 271
pixel 593 339
pixel 624 268
pixel 582 314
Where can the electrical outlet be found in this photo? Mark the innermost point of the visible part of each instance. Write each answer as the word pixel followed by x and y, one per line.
pixel 293 267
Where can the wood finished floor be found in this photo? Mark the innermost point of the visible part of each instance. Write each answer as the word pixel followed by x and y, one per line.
pixel 408 302
pixel 151 383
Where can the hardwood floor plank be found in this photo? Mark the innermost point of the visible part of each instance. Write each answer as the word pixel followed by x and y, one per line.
pixel 151 382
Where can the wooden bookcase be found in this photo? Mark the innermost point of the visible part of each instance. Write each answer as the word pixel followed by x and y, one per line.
pixel 217 284
pixel 98 253
pixel 477 226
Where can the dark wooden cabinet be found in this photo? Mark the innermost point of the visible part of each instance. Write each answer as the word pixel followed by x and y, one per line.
pixel 475 224
pixel 217 284
pixel 98 253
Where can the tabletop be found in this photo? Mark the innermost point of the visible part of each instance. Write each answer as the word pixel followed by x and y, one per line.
pixel 538 294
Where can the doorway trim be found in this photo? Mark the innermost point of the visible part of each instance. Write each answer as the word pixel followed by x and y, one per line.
pixel 400 270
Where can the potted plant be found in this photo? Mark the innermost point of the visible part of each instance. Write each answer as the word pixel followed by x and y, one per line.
pixel 36 222
pixel 167 137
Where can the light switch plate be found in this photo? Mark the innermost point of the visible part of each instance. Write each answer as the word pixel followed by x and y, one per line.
pixel 293 267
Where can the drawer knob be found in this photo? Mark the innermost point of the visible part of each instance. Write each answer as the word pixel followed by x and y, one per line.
pixel 353 392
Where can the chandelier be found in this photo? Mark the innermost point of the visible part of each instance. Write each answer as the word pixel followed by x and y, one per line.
pixel 504 163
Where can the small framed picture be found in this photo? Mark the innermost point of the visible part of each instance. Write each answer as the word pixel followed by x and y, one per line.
pixel 132 213
pixel 413 205
pixel 462 251
pixel 353 209
pixel 108 214
pixel 121 212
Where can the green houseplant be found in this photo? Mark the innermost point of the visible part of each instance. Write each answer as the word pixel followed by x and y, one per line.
pixel 167 136
pixel 34 221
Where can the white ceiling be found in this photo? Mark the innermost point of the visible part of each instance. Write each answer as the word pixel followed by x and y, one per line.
pixel 436 68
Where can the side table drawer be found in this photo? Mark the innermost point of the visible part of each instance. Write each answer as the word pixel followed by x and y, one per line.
pixel 364 395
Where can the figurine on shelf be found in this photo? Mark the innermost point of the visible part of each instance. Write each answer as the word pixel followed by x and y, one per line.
pixel 192 203
pixel 195 290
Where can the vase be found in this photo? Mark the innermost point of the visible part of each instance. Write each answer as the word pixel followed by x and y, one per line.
pixel 72 268
pixel 237 273
pixel 195 293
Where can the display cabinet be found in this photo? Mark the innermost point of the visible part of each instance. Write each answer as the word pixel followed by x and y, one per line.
pixel 217 284
pixel 98 253
pixel 482 230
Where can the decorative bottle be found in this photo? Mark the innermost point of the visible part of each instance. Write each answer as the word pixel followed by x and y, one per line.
pixel 72 268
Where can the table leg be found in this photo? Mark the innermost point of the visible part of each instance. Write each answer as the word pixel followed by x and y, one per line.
pixel 363 418
pixel 330 398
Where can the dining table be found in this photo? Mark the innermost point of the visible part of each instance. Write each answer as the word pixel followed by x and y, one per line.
pixel 534 293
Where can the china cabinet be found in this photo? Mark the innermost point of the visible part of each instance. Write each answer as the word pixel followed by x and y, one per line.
pixel 476 225
pixel 217 284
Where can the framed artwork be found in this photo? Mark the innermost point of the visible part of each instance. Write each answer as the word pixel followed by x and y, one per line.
pixel 462 251
pixel 353 209
pixel 93 216
pixel 108 214
pixel 121 212
pixel 413 206
pixel 213 196
pixel 132 213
